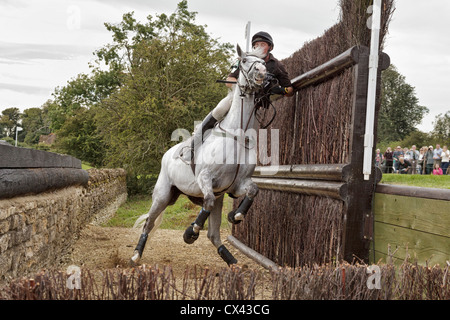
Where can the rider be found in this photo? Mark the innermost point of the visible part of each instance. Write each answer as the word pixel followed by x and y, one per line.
pixel 277 82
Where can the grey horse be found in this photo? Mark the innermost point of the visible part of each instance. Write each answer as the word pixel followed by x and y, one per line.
pixel 225 159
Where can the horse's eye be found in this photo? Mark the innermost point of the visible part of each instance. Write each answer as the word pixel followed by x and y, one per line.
pixel 244 60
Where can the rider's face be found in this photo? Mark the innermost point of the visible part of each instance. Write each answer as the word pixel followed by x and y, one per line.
pixel 263 45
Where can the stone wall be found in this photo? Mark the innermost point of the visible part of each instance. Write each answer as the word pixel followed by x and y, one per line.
pixel 37 230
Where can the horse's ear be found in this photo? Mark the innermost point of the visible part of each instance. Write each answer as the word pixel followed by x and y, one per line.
pixel 239 51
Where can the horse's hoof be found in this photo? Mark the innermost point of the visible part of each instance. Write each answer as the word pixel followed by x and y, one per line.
pixel 134 260
pixel 226 255
pixel 232 217
pixel 190 236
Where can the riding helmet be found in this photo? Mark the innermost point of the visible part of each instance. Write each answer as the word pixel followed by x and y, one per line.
pixel 262 36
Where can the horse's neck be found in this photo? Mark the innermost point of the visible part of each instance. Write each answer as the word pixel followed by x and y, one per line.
pixel 245 104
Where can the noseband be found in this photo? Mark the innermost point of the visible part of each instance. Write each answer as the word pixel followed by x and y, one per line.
pixel 246 76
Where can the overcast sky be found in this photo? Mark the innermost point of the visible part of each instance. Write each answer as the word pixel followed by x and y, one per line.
pixel 45 43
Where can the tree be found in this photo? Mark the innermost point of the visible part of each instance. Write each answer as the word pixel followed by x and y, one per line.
pixel 72 118
pixel 10 120
pixel 79 137
pixel 170 67
pixel 35 123
pixel 400 111
pixel 442 125
pixel 83 91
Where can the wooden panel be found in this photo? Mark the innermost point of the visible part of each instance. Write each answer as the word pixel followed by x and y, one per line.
pixel 423 246
pixel 428 215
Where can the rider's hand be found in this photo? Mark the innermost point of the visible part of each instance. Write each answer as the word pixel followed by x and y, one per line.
pixel 279 90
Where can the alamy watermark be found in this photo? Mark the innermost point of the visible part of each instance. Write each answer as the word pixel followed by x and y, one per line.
pixel 370 11
pixel 233 146
pixel 374 280
pixel 73 21
pixel 74 279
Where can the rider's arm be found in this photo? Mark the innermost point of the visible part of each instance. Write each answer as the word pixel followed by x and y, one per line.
pixel 229 85
pixel 284 81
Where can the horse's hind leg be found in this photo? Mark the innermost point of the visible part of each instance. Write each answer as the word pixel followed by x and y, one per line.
pixel 214 222
pixel 163 195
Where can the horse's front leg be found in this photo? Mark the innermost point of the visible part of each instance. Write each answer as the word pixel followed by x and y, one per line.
pixel 204 180
pixel 214 221
pixel 250 189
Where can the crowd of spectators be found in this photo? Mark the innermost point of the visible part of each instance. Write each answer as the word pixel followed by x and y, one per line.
pixel 426 160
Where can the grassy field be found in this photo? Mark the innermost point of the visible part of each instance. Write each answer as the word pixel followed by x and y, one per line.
pixel 417 180
pixel 178 216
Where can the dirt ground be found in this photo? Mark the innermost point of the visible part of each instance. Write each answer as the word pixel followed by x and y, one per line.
pixel 105 248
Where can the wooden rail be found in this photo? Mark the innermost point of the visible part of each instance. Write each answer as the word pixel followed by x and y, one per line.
pixel 418 192
pixel 15 157
pixel 332 189
pixel 333 172
pixel 328 69
pixel 24 171
pixel 252 254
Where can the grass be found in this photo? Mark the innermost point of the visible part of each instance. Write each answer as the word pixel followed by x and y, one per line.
pixel 417 180
pixel 85 166
pixel 178 216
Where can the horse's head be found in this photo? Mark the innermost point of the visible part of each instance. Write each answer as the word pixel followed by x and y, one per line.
pixel 252 69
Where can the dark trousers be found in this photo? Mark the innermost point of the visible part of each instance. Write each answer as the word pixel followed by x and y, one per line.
pixel 388 167
pixel 413 166
pixel 444 167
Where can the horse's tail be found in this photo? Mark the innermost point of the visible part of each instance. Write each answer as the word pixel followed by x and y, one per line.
pixel 140 222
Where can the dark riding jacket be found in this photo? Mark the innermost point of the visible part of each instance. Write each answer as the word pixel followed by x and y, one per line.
pixel 275 67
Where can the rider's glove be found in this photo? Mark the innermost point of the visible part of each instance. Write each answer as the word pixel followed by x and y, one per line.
pixel 279 90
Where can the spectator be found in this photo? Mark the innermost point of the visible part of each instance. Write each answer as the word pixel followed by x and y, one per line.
pixel 396 155
pixel 406 154
pixel 445 158
pixel 425 149
pixel 420 161
pixel 437 154
pixel 429 160
pixel 404 166
pixel 413 156
pixel 388 158
pixel 437 171
pixel 378 158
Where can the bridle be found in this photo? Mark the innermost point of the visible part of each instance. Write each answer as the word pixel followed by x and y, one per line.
pixel 246 74
pixel 243 89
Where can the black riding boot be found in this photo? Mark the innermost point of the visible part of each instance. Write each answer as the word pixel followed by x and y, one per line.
pixel 197 139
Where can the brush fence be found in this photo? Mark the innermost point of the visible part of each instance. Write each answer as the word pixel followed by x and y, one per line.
pixel 317 207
